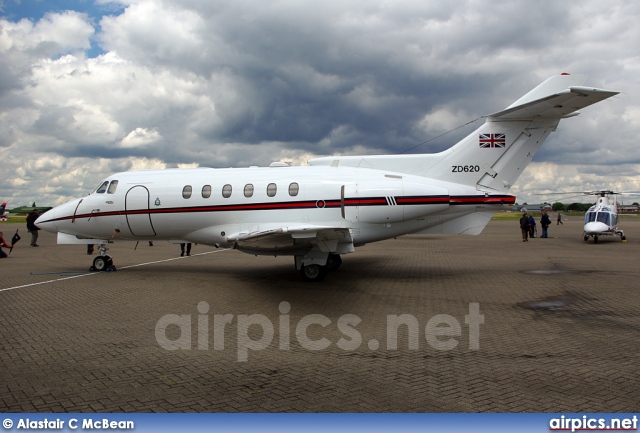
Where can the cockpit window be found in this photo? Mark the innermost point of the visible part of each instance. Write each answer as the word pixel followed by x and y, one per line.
pixel 589 217
pixel 603 217
pixel 112 187
pixel 102 188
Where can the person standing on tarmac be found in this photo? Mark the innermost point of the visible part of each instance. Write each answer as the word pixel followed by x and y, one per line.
pixel 532 227
pixel 188 245
pixel 524 227
pixel 32 228
pixel 545 222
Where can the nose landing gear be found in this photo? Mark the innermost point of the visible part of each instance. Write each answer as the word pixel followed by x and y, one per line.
pixel 103 262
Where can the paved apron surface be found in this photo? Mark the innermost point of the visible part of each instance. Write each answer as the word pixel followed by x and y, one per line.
pixel 561 327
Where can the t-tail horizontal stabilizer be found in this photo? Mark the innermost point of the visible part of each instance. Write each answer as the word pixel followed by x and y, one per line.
pixel 556 98
pixel 493 156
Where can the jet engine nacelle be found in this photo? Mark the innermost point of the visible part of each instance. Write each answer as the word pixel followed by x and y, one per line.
pixel 391 201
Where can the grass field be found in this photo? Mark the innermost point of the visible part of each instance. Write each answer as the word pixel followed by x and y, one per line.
pixel 515 216
pixel 16 219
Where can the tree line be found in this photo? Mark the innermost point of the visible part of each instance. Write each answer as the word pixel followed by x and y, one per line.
pixel 576 207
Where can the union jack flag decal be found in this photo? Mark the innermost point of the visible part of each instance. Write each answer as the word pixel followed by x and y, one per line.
pixel 492 140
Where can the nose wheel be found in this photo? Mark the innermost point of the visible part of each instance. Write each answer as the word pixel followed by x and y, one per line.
pixel 103 262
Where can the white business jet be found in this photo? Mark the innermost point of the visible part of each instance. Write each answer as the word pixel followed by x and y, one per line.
pixel 318 212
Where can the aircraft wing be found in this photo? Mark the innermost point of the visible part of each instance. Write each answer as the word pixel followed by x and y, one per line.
pixel 558 105
pixel 295 240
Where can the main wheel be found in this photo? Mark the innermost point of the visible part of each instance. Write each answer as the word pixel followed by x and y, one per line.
pixel 586 238
pixel 333 262
pixel 101 263
pixel 313 272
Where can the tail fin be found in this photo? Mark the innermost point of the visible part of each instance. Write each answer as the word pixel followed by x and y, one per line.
pixel 498 152
pixel 494 155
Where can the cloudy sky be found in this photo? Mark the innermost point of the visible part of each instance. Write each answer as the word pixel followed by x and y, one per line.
pixel 92 87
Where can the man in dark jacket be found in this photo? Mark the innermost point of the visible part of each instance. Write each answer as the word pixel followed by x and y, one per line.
pixel 545 222
pixel 524 227
pixel 32 228
pixel 532 227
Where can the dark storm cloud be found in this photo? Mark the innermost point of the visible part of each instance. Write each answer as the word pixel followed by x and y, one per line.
pixel 302 73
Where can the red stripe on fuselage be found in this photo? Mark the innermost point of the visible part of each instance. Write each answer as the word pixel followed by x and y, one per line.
pixel 308 204
pixel 437 199
pixel 475 199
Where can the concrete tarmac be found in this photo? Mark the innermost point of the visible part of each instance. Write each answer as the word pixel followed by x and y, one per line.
pixel 556 327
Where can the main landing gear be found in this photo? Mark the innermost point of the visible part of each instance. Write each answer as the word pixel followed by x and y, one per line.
pixel 315 272
pixel 620 233
pixel 103 262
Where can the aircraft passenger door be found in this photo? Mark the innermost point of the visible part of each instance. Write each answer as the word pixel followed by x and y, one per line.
pixel 137 211
pixel 349 211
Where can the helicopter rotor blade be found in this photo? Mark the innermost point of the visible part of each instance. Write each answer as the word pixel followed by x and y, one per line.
pixel 568 195
pixel 601 192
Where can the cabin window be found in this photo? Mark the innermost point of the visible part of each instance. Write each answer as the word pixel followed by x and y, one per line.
pixel 206 191
pixel 248 190
pixel 102 188
pixel 272 189
pixel 186 191
pixel 294 188
pixel 226 191
pixel 112 187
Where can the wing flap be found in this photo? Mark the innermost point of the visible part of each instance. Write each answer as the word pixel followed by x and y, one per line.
pixel 295 240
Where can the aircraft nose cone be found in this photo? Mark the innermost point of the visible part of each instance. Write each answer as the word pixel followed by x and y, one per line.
pixel 47 221
pixel 596 227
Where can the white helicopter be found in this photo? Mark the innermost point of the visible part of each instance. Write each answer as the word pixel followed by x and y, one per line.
pixel 602 218
pixel 317 213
